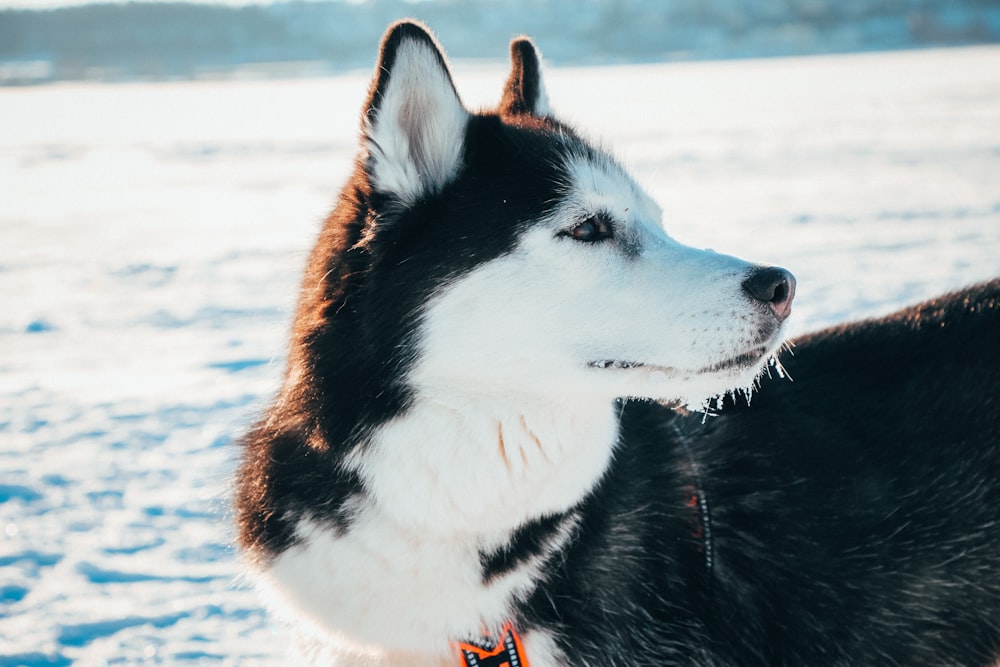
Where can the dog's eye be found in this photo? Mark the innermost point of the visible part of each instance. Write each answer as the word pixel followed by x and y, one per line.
pixel 591 230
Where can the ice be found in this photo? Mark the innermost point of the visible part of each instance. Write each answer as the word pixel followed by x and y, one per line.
pixel 152 237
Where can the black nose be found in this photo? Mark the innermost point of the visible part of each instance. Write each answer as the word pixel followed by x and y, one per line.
pixel 774 286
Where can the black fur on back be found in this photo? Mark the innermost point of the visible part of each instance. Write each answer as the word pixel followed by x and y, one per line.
pixel 855 512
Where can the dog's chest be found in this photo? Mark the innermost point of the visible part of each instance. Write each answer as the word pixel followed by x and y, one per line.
pixel 461 514
pixel 397 590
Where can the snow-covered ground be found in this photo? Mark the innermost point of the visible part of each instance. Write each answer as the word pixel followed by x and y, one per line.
pixel 151 238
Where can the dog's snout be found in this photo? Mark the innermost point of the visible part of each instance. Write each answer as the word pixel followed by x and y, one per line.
pixel 774 286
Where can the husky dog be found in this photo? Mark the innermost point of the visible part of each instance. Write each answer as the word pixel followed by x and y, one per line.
pixel 480 453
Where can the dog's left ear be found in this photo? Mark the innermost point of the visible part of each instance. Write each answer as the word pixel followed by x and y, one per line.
pixel 414 122
pixel 524 92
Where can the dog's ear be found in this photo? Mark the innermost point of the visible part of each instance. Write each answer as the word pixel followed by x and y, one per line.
pixel 414 122
pixel 524 92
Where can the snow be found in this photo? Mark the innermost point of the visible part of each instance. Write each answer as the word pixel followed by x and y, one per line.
pixel 152 235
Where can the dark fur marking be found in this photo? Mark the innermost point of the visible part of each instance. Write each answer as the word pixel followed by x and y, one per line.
pixel 283 479
pixel 527 542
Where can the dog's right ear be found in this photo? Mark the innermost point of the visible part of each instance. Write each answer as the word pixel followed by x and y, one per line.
pixel 414 122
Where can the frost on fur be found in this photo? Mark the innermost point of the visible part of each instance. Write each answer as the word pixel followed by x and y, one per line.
pixel 712 405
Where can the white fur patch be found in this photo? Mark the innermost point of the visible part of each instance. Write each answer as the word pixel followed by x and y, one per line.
pixel 457 464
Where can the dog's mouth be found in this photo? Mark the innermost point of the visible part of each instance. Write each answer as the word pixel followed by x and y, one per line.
pixel 611 363
pixel 739 362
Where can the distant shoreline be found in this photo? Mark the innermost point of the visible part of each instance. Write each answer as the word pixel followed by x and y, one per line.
pixel 186 41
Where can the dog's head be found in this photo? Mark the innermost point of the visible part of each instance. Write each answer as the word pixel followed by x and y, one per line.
pixel 505 255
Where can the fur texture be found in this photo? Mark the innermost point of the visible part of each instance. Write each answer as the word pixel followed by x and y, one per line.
pixel 481 422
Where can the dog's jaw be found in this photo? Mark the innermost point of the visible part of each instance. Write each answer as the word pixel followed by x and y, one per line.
pixel 735 365
pixel 735 374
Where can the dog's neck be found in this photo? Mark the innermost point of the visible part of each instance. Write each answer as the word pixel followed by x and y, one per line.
pixel 448 485
pixel 456 465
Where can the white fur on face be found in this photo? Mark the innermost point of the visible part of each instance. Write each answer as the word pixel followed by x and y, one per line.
pixel 541 321
pixel 415 142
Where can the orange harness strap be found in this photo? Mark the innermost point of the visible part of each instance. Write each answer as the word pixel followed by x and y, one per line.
pixel 508 652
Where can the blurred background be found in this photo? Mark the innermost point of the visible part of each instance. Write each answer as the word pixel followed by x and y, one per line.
pixel 170 40
pixel 164 168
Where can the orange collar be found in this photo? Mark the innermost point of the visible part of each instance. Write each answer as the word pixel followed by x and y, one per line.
pixel 508 652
